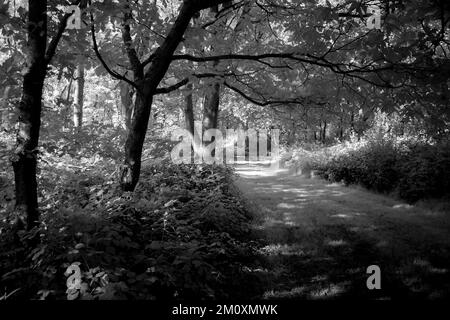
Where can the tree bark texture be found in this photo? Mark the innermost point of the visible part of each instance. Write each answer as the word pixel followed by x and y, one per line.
pixel 24 160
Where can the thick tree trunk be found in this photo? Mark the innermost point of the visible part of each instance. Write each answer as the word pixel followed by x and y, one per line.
pixel 144 97
pixel 78 107
pixel 135 141
pixel 29 111
pixel 148 86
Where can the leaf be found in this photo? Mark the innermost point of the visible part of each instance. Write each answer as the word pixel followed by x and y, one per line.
pixel 79 246
pixel 170 203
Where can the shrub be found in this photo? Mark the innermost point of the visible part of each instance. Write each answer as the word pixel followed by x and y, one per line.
pixel 411 170
pixel 425 172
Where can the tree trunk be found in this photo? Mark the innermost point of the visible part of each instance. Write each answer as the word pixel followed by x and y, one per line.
pixel 324 132
pixel 135 141
pixel 4 107
pixel 148 86
pixel 212 97
pixel 189 110
pixel 352 123
pixel 341 128
pixel 29 111
pixel 69 89
pixel 126 101
pixel 78 107
pixel 211 108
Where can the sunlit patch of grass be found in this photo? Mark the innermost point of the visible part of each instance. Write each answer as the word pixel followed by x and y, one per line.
pixel 341 215
pixel 332 290
pixel 337 243
pixel 283 249
pixel 403 206
pixel 286 206
pixel 283 294
pixel 319 278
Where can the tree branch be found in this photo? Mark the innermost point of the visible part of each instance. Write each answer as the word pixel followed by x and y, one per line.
pixel 338 68
pixel 51 50
pixel 128 41
pixel 185 81
pixel 263 103
pixel 102 61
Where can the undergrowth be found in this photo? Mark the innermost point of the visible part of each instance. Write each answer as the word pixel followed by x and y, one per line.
pixel 410 170
pixel 183 233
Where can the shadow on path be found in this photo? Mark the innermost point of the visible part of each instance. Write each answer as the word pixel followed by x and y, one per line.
pixel 319 238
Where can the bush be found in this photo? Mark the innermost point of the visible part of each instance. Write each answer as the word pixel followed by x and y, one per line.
pixel 411 170
pixel 425 172
pixel 373 165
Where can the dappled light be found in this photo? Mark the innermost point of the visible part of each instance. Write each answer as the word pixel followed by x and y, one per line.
pixel 172 150
pixel 403 206
pixel 321 237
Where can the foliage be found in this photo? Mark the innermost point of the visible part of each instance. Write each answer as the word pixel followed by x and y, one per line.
pixel 184 232
pixel 425 172
pixel 412 171
pixel 374 166
pixel 384 160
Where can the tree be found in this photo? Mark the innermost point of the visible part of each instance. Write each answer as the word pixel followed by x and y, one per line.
pixel 78 106
pixel 331 39
pixel 126 101
pixel 147 82
pixel 188 110
pixel 39 56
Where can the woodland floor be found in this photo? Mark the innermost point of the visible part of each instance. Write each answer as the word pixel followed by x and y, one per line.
pixel 319 238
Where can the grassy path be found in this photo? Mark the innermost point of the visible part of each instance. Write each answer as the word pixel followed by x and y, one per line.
pixel 320 238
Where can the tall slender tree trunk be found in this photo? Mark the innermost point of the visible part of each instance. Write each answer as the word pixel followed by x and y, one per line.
pixel 212 97
pixel 24 160
pixel 211 108
pixel 69 88
pixel 352 122
pixel 78 107
pixel 188 110
pixel 324 132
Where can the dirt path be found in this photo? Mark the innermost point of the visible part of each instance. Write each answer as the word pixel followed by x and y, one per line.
pixel 320 238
